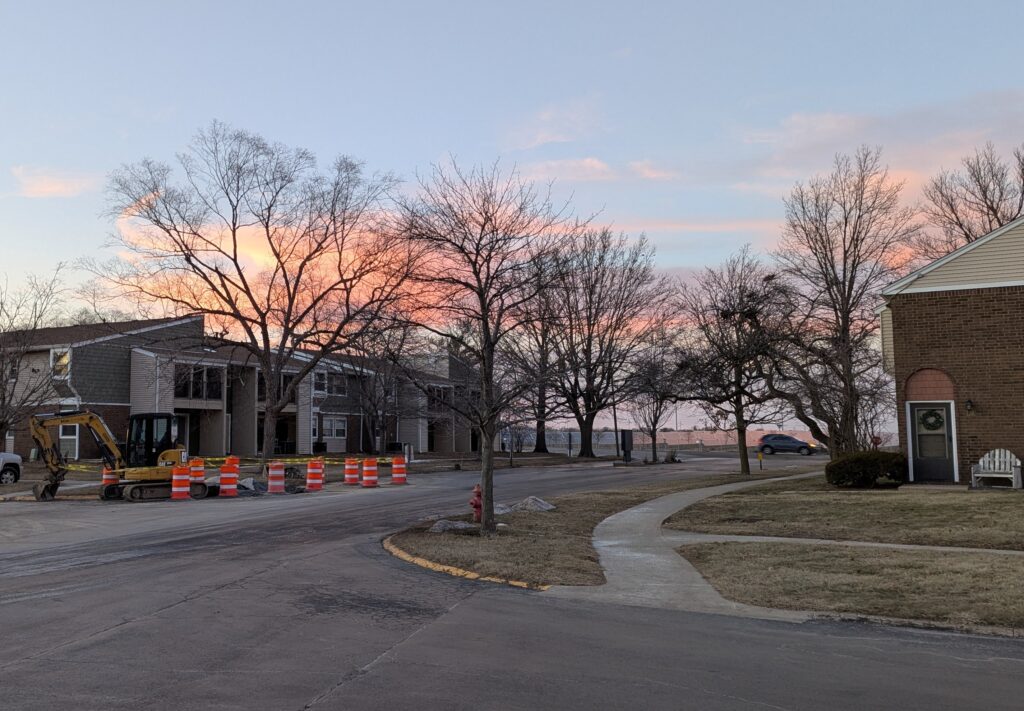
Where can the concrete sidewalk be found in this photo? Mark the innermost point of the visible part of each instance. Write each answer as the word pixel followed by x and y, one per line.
pixel 642 567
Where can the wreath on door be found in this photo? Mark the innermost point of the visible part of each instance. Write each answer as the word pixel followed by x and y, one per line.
pixel 932 420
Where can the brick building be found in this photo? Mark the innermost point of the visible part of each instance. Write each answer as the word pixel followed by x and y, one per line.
pixel 953 339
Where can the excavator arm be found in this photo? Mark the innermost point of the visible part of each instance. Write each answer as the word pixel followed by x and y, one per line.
pixel 53 458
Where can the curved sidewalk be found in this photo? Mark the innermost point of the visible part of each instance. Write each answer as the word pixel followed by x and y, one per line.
pixel 642 567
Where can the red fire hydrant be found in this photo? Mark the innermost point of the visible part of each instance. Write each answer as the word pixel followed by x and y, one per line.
pixel 477 503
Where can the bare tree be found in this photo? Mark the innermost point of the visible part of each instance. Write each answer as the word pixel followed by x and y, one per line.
pixel 26 377
pixel 736 315
pixel 284 258
pixel 655 381
pixel 846 236
pixel 531 351
pixel 962 205
pixel 608 297
pixel 483 233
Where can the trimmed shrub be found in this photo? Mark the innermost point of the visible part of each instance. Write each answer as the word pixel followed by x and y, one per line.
pixel 862 470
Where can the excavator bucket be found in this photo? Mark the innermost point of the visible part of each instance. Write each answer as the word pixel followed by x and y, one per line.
pixel 45 490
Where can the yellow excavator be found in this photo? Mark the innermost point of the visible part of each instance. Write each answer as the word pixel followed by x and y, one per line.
pixel 143 467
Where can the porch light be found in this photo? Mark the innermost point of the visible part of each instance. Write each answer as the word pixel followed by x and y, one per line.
pixel 969 405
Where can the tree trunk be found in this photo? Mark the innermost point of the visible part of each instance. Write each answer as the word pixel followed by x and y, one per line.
pixel 540 445
pixel 3 438
pixel 587 435
pixel 487 522
pixel 654 445
pixel 739 414
pixel 269 436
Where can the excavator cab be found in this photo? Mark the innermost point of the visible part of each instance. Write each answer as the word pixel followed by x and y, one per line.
pixel 149 436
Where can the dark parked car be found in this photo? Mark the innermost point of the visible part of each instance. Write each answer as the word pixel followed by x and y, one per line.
pixel 770 444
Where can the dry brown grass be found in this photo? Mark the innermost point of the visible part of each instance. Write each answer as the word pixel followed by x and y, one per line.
pixel 552 548
pixel 949 588
pixel 810 508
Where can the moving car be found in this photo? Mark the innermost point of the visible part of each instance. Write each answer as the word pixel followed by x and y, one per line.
pixel 770 444
pixel 10 468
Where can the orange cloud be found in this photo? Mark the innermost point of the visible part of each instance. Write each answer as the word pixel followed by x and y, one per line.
pixel 40 183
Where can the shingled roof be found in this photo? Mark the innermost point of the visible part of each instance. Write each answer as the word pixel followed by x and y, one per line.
pixel 82 333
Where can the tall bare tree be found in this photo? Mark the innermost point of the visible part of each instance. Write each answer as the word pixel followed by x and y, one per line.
pixel 483 233
pixel 26 379
pixel 608 300
pixel 736 315
pixel 962 205
pixel 846 236
pixel 531 351
pixel 282 257
pixel 655 382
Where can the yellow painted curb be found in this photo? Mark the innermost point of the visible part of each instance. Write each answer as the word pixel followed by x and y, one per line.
pixel 452 570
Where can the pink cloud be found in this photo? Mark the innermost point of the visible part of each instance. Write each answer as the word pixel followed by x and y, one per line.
pixel 41 183
pixel 647 170
pixel 570 170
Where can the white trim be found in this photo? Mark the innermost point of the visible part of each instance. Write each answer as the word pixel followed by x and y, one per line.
pixel 898 286
pixel 962 287
pixel 910 436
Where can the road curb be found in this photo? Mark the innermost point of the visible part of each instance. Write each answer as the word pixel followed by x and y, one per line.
pixel 452 570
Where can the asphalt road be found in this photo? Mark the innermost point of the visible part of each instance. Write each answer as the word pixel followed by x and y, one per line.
pixel 290 603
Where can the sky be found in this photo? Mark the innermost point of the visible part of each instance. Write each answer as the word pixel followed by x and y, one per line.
pixel 687 121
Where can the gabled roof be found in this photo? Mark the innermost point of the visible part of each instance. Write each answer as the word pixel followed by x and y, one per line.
pixel 905 283
pixel 82 334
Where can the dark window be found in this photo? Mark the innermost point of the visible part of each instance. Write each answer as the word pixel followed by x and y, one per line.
pixel 182 380
pixel 214 385
pixel 320 382
pixel 197 382
pixel 261 387
pixel 336 384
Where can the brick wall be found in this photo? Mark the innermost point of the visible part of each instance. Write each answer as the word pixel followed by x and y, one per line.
pixel 976 337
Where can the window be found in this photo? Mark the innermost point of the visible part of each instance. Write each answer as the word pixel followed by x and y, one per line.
pixel 320 382
pixel 198 382
pixel 60 364
pixel 13 372
pixel 261 386
pixel 336 383
pixel 313 425
pixel 69 441
pixel 214 383
pixel 335 427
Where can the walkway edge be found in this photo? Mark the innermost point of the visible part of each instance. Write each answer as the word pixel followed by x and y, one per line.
pixel 394 550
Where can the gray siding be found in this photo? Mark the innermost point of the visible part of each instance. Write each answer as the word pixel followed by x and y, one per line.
pixel 303 429
pixel 102 372
pixel 143 382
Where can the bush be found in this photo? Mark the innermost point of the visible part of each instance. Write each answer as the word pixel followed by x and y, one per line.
pixel 862 470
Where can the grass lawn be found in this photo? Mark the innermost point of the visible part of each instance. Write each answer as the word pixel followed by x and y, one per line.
pixel 950 588
pixel 552 548
pixel 810 508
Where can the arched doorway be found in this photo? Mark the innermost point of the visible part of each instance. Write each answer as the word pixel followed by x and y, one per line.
pixel 931 426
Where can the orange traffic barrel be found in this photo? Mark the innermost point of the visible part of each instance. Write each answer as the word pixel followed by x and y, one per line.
pixel 398 470
pixel 197 470
pixel 229 479
pixel 369 473
pixel 315 475
pixel 275 478
pixel 109 477
pixel 180 483
pixel 232 459
pixel 352 472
